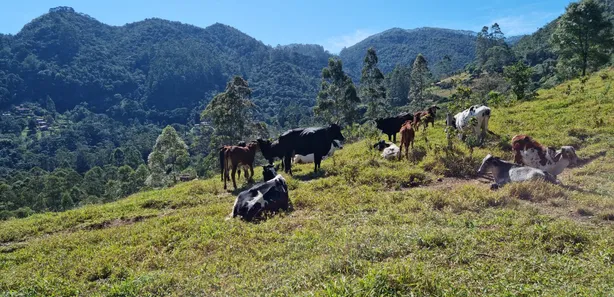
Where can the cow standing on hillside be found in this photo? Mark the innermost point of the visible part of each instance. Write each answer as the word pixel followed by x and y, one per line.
pixel 305 141
pixel 391 126
pixel 231 157
pixel 425 117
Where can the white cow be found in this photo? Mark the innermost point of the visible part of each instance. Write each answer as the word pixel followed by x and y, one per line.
pixel 299 159
pixel 463 120
pixel 391 152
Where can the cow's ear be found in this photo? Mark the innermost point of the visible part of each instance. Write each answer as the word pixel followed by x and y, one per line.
pixel 557 157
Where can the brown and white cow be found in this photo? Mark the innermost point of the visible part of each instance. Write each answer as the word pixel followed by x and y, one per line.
pixel 531 153
pixel 425 117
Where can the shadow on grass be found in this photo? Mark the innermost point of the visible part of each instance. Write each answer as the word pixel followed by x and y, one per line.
pixel 586 161
pixel 578 189
pixel 311 175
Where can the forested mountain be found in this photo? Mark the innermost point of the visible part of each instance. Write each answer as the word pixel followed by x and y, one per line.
pixel 400 47
pixel 150 70
pixel 536 49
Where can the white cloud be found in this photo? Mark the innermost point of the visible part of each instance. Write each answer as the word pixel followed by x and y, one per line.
pixel 524 24
pixel 337 43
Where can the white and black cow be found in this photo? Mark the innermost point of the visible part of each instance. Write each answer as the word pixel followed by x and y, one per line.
pixel 389 150
pixel 300 159
pixel 268 196
pixel 305 141
pixel 506 172
pixel 474 119
pixel 531 153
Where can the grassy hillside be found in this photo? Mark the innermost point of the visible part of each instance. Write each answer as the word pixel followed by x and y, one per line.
pixel 365 227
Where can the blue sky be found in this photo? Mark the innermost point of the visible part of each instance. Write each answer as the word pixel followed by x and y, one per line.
pixel 333 23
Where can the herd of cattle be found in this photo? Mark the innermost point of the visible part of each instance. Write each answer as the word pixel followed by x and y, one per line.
pixel 312 145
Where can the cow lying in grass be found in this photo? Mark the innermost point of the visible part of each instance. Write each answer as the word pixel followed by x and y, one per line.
pixel 300 159
pixel 531 153
pixel 389 150
pixel 268 196
pixel 505 172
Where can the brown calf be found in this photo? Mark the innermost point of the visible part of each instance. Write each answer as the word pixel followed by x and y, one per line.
pixel 407 138
pixel 426 117
pixel 235 156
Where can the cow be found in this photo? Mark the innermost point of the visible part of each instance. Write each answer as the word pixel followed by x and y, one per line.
pixel 381 145
pixel 529 152
pixel 505 172
pixel 237 155
pixel 464 121
pixel 268 196
pixel 270 150
pixel 222 151
pixel 391 152
pixel 300 159
pixel 407 138
pixel 391 126
pixel 426 116
pixel 305 141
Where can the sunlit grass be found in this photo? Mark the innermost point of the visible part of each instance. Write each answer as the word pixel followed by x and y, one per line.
pixel 364 226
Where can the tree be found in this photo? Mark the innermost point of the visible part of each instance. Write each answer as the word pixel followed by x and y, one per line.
pixel 498 57
pixel 372 88
pixel 519 76
pixel 444 67
pixel 337 100
pixel 230 112
pixel 168 158
pixel 583 37
pixel 93 182
pixel 420 77
pixel 398 82
pixel 117 157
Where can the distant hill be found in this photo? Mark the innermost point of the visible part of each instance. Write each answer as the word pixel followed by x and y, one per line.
pixel 168 69
pixel 401 46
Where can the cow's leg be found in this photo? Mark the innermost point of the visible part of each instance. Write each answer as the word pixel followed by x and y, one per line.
pixel 316 160
pixel 251 168
pixel 234 171
pixel 288 164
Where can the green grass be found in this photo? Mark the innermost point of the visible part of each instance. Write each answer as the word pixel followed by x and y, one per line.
pixel 363 227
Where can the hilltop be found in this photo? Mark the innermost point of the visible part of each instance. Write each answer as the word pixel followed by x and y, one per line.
pixel 363 227
pixel 398 46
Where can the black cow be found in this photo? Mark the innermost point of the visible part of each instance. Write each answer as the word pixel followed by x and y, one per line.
pixel 271 150
pixel 391 126
pixel 270 195
pixel 305 141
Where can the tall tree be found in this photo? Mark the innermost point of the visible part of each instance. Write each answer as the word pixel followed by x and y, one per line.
pixel 337 100
pixel 420 77
pixel 398 82
pixel 372 88
pixel 168 157
pixel 583 37
pixel 444 67
pixel 230 112
pixel 519 76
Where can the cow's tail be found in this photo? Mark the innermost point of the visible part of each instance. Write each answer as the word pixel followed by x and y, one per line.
pixel 222 162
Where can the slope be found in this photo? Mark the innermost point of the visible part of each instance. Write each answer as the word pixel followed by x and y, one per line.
pixel 400 46
pixel 356 229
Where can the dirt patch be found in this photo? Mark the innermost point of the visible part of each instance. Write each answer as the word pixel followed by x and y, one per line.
pixel 115 222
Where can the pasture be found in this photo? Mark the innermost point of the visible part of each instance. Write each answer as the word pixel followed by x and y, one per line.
pixel 362 226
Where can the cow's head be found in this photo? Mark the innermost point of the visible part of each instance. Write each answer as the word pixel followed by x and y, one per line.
pixel 487 162
pixel 379 122
pixel 381 145
pixel 567 152
pixel 268 172
pixel 433 109
pixel 334 131
pixel 253 145
pixel 337 144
